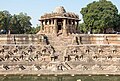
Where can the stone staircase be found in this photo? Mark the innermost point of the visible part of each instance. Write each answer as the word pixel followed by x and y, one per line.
pixel 59 40
pixel 59 43
pixel 67 66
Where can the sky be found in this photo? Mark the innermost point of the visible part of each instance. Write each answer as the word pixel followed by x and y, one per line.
pixel 37 8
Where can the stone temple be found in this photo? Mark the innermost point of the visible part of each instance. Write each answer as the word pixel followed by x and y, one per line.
pixel 59 48
pixel 59 22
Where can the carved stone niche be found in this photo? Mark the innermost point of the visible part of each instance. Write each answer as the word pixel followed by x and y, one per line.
pixel 81 56
pixel 2 50
pixel 86 49
pixel 54 57
pixel 109 57
pixel 60 67
pixel 44 51
pixel 47 50
pixel 75 50
pixel 15 50
pixel 38 53
pixel 76 57
pixel 31 48
pixel 7 57
pixel 95 57
pixel 67 58
pixel 100 49
pixel 114 49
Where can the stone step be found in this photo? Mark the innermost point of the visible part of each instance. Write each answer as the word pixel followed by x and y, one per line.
pixel 59 40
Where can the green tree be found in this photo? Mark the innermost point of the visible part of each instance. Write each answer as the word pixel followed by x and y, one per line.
pixel 21 24
pixel 5 19
pixel 35 30
pixel 15 25
pixel 100 15
pixel 25 24
pixel 117 28
pixel 82 28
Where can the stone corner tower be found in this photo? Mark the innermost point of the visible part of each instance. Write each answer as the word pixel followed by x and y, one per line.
pixel 59 22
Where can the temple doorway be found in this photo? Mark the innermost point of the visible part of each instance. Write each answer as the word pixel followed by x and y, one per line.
pixel 59 27
pixel 59 23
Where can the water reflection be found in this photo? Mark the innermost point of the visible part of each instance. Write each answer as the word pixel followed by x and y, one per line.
pixel 59 78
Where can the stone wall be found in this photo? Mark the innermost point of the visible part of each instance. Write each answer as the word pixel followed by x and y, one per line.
pixel 22 39
pixel 98 38
pixel 80 38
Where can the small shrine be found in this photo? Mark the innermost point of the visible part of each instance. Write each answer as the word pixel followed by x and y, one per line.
pixel 59 22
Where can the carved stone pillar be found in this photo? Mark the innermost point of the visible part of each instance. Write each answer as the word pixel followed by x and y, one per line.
pixel 68 26
pixel 70 22
pixel 45 30
pixel 52 21
pixel 73 22
pixel 52 26
pixel 49 26
pixel 47 22
pixel 77 26
pixel 71 27
pixel 65 27
pixel 55 27
pixel 41 28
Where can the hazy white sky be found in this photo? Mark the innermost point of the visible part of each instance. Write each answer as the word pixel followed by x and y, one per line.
pixel 36 8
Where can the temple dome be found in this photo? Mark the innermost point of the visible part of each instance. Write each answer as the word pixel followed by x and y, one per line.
pixel 59 9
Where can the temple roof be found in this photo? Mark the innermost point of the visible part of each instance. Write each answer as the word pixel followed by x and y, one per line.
pixel 60 12
pixel 59 9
